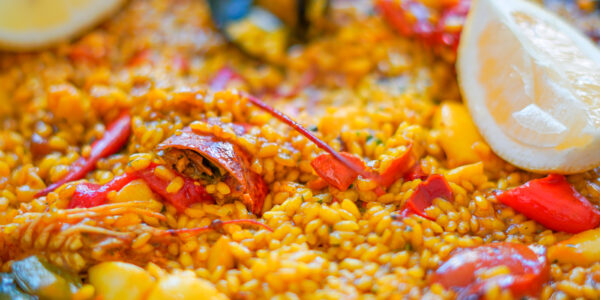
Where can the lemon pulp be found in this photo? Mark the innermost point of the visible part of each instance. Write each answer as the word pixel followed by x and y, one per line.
pixel 532 84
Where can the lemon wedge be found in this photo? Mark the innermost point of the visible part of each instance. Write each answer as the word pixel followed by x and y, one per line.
pixel 532 85
pixel 33 24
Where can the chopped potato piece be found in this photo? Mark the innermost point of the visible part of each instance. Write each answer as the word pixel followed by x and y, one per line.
pixel 118 280
pixel 184 286
pixel 220 255
pixel 581 249
pixel 136 190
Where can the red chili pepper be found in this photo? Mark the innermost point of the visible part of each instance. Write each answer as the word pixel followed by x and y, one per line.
pixel 91 194
pixel 191 192
pixel 114 138
pixel 334 172
pixel 435 186
pixel 528 267
pixel 554 203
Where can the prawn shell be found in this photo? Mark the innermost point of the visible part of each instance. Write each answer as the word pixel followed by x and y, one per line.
pixel 229 157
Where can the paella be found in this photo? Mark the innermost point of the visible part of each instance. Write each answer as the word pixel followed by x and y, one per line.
pixel 388 149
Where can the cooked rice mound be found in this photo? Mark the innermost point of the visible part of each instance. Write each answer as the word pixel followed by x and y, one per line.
pixel 359 86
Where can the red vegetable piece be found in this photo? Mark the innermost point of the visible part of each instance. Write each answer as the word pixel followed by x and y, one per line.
pixel 554 203
pixel 190 193
pixel 454 17
pixel 181 63
pixel 399 166
pixel 140 57
pixel 334 172
pixel 227 156
pixel 113 140
pixel 413 19
pixel 528 267
pixel 396 14
pixel 416 172
pixel 87 195
pixel 435 186
pixel 91 194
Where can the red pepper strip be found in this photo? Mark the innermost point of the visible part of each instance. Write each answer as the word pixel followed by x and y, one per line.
pixel 334 172
pixel 453 17
pixel 190 193
pixel 554 203
pixel 228 156
pixel 435 186
pixel 528 267
pixel 413 19
pixel 113 139
pixel 398 167
pixel 341 177
pixel 408 17
pixel 416 172
pixel 91 194
pixel 140 57
pixel 223 77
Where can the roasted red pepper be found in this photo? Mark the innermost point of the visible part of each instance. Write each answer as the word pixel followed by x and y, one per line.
pixel 416 172
pixel 554 203
pixel 90 194
pixel 341 177
pixel 440 25
pixel 528 267
pixel 435 186
pixel 113 140
pixel 334 172
pixel 398 167
pixel 191 192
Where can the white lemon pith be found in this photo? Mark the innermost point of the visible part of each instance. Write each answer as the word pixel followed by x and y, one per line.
pixel 532 85
pixel 32 24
